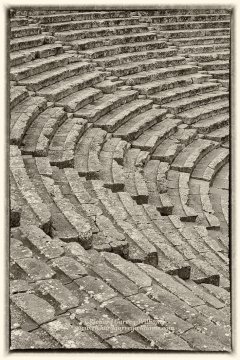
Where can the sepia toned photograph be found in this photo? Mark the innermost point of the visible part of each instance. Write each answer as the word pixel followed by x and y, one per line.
pixel 119 178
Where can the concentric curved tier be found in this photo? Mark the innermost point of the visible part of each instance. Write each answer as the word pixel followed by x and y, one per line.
pixel 119 164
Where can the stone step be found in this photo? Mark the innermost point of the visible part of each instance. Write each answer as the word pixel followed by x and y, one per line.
pixel 188 18
pixel 185 104
pixel 194 25
pixel 220 135
pixel 225 55
pixel 185 11
pixel 220 74
pixel 18 22
pixel 74 35
pixel 28 190
pixel 210 164
pixel 135 185
pixel 39 66
pixel 62 151
pixel 79 222
pixel 17 95
pixel 192 154
pixel 178 191
pixel 204 40
pixel 106 104
pixel 132 68
pixel 137 125
pixel 171 83
pixel 178 93
pixel 88 24
pixel 29 42
pixel 140 249
pixel 87 44
pixel 55 17
pixel 215 65
pixel 24 31
pixel 41 131
pixel 174 141
pixel 150 140
pixel 23 115
pixel 79 99
pixel 37 82
pixel 214 123
pixel 117 118
pixel 199 49
pixel 151 75
pixel 69 335
pixel 157 191
pixel 204 112
pixel 86 157
pixel 138 56
pixel 71 85
pixel 39 52
pixel 120 49
pixel 193 33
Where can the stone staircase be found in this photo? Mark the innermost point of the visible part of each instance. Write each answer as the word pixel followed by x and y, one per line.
pixel 119 164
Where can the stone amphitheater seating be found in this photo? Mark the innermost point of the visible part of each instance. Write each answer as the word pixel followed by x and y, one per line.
pixel 119 166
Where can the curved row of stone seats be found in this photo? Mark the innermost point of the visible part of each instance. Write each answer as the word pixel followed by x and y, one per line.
pixel 121 114
pixel 88 24
pixel 155 174
pixel 210 164
pixel 40 133
pixel 185 104
pixel 74 15
pixel 168 96
pixel 211 123
pixel 61 149
pixel 201 180
pixel 208 47
pixel 18 21
pixel 122 46
pixel 106 104
pixel 220 135
pixel 70 82
pixel 153 140
pixel 17 95
pixel 26 43
pixel 89 44
pixel 23 115
pixel 124 297
pixel 64 216
pixel 138 125
pixel 134 183
pixel 24 31
pixel 165 239
pixel 185 10
pixel 174 139
pixel 188 18
pixel 39 66
pixel 77 35
pixel 107 237
pixel 209 112
pixel 86 156
pixel 43 81
pixel 220 198
pixel 178 191
pixel 111 161
pixel 144 77
pixel 27 189
pixel 24 56
pixel 192 154
pixel 171 83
